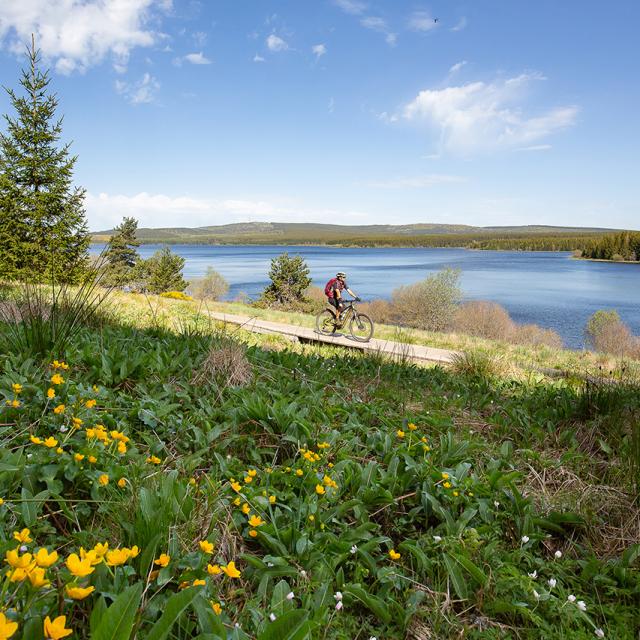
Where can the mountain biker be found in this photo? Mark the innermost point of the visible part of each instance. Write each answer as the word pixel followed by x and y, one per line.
pixel 333 290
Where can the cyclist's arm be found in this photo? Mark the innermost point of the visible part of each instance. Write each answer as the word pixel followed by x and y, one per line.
pixel 351 293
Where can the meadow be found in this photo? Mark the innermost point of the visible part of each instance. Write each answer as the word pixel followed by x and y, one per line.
pixel 162 476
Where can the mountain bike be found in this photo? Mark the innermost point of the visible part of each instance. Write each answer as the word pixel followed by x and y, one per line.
pixel 360 325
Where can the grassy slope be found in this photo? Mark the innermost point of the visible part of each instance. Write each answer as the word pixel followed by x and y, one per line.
pixel 523 458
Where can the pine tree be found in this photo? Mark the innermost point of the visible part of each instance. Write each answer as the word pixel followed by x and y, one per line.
pixel 164 270
pixel 43 229
pixel 289 280
pixel 121 255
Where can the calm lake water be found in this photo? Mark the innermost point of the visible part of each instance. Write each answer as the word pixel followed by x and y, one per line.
pixel 546 288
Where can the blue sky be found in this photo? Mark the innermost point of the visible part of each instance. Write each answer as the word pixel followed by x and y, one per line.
pixel 187 113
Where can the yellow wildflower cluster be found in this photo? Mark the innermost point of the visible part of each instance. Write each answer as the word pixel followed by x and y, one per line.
pixel 59 365
pixel 310 456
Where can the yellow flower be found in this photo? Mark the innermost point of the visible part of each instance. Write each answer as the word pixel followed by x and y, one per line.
pixel 77 422
pixel 423 439
pixel 330 465
pixel 246 509
pixel 323 445
pixel 154 460
pixel 445 475
pixel 101 548
pixel 199 583
pixel 426 448
pixel 90 556
pixel 93 459
pixel 312 518
pixel 60 450
pixel 23 536
pixel 269 470
pixel 319 489
pixel 213 569
pixel 252 473
pixel 206 546
pixel 78 593
pixel 17 561
pixel 122 483
pixel 36 577
pixel 90 403
pixel 17 387
pixel 217 609
pixel 253 533
pixel 18 575
pixel 163 560
pixel 299 472
pixel 15 403
pixel 122 447
pixel 59 409
pixel 45 559
pixel 50 442
pixel 446 485
pixel 8 628
pixel 248 479
pixel 35 440
pixel 237 501
pixel 79 568
pixel 51 393
pixel 236 486
pixel 400 433
pixel 117 557
pixel 103 480
pixel 134 551
pixel 1 501
pixel 231 570
pixel 411 426
pixel 56 378
pixel 272 499
pixel 59 365
pixel 455 493
pixel 394 555
pixel 55 629
pixel 255 521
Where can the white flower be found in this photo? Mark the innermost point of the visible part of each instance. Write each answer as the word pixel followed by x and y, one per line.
pixel 338 595
pixel 437 539
pixel 581 605
pixel 525 539
pixel 599 633
pixel 533 575
pixel 64 429
pixel 496 504
pixel 571 598
pixel 338 605
pixel 558 555
pixel 23 548
pixel 272 617
pixel 291 595
pixel 303 573
pixel 536 595
pixel 354 549
pixel 270 564
pixel 552 582
pixel 373 638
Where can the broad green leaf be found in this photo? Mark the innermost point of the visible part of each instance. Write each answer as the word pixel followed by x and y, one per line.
pixel 373 603
pixel 293 625
pixel 208 621
pixel 471 568
pixel 455 575
pixel 173 608
pixel 117 621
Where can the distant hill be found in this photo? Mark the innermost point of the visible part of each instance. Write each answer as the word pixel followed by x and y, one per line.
pixel 292 233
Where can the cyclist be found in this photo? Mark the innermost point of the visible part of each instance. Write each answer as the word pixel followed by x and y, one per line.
pixel 333 290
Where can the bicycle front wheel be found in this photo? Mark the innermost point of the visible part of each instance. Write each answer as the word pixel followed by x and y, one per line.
pixel 361 327
pixel 325 323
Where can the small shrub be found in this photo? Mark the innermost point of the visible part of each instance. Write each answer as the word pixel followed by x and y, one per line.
pixel 537 336
pixel 429 304
pixel 380 311
pixel 175 295
pixel 606 333
pixel 475 364
pixel 226 365
pixel 316 300
pixel 211 287
pixel 484 319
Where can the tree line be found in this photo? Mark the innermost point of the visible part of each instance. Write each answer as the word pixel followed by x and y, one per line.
pixel 616 246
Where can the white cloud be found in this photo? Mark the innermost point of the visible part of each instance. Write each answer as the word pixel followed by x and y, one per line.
pixel 354 7
pixel 258 58
pixel 104 211
pixel 421 21
pixel 460 25
pixel 78 34
pixel 416 182
pixel 275 43
pixel 197 58
pixel 141 92
pixel 319 50
pixel 482 117
pixel 391 39
pixel 380 25
pixel 537 147
pixel 457 66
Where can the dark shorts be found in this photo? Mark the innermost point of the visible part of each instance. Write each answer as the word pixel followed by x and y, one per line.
pixel 333 302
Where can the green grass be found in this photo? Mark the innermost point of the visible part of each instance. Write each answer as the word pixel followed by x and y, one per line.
pixel 497 475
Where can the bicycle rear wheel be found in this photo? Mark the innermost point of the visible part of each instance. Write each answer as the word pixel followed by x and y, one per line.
pixel 325 323
pixel 361 327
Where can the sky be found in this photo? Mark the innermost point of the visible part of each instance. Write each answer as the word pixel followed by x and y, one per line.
pixel 482 112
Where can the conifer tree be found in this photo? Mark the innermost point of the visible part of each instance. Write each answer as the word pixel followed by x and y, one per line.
pixel 289 280
pixel 164 270
pixel 43 229
pixel 121 255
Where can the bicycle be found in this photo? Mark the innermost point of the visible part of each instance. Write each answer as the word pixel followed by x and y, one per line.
pixel 360 324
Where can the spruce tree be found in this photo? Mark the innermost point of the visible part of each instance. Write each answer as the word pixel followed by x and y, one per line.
pixel 43 229
pixel 164 270
pixel 289 281
pixel 121 255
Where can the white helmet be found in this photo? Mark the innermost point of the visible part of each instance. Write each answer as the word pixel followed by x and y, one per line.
pixel 341 274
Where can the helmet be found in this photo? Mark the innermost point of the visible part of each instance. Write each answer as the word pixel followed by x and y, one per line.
pixel 341 274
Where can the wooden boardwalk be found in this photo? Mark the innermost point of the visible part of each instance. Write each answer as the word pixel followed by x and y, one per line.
pixel 395 350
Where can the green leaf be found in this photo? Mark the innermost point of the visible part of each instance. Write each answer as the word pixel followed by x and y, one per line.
pixel 279 600
pixel 473 569
pixel 293 625
pixel 373 603
pixel 33 629
pixel 208 621
pixel 97 613
pixel 455 575
pixel 173 608
pixel 117 621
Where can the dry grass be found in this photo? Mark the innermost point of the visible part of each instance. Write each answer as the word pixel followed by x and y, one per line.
pixel 226 365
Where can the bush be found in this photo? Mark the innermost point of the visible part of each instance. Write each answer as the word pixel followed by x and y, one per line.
pixel 429 304
pixel 483 319
pixel 475 364
pixel 605 332
pixel 289 282
pixel 175 295
pixel 536 336
pixel 380 311
pixel 211 287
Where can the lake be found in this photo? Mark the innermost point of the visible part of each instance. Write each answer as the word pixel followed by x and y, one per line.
pixel 546 288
